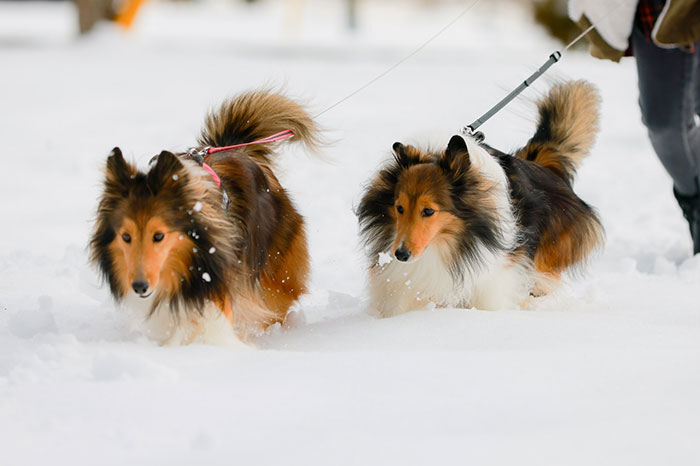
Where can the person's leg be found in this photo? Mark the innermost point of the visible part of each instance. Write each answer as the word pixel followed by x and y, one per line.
pixel 694 128
pixel 691 206
pixel 667 90
pixel 669 98
pixel 697 81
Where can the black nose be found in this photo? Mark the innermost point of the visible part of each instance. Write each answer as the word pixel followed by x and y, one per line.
pixel 403 254
pixel 140 286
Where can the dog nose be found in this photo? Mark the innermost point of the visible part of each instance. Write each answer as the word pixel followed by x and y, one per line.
pixel 140 286
pixel 402 254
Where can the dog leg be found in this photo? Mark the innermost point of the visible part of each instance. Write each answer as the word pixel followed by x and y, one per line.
pixel 226 308
pixel 545 283
pixel 505 288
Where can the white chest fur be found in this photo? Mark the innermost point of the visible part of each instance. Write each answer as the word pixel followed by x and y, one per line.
pixel 495 283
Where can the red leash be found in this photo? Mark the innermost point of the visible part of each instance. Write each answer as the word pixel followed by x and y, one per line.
pixel 282 135
pixel 200 155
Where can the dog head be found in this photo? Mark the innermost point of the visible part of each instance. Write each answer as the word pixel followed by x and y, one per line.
pixel 139 242
pixel 423 209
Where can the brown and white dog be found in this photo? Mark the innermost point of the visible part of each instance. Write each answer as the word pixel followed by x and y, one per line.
pixel 169 245
pixel 471 226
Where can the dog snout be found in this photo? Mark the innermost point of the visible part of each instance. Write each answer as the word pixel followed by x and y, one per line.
pixel 140 287
pixel 402 254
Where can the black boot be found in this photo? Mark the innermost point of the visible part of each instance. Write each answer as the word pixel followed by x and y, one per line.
pixel 691 211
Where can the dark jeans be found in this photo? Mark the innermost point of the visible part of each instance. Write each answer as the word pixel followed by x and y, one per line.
pixel 669 97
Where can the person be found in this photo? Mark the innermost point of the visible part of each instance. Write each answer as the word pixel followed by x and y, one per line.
pixel 664 37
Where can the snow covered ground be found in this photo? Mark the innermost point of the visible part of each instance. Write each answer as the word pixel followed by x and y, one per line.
pixel 607 372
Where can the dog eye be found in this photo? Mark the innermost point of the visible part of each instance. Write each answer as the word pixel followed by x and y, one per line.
pixel 399 209
pixel 158 237
pixel 427 212
pixel 126 237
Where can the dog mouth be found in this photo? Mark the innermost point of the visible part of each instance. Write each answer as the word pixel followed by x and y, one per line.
pixel 144 296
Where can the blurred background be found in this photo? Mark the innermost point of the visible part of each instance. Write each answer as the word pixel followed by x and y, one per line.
pixel 81 76
pixel 550 14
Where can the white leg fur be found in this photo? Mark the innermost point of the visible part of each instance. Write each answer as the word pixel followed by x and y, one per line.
pixel 211 328
pixel 400 287
pixel 503 286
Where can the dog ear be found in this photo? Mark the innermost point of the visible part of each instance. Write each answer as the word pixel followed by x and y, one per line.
pixel 401 155
pixel 167 168
pixel 456 155
pixel 456 146
pixel 118 171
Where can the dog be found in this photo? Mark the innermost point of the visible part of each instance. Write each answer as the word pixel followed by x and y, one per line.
pixel 471 226
pixel 196 259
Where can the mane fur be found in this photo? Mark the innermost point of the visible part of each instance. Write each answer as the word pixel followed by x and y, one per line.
pixel 475 199
pixel 171 188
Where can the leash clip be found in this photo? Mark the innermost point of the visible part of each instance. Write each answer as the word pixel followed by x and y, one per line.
pixel 478 136
pixel 198 155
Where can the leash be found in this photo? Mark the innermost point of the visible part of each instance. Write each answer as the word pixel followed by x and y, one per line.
pixel 404 59
pixel 471 130
pixel 281 136
pixel 199 155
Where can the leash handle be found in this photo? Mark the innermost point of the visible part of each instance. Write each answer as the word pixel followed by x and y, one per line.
pixel 471 129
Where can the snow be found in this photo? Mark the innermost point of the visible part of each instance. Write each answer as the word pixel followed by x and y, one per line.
pixel 384 259
pixel 605 372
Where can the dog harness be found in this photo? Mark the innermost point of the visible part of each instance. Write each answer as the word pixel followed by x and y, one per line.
pixel 199 155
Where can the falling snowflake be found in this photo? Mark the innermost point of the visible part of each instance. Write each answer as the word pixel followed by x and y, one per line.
pixel 384 258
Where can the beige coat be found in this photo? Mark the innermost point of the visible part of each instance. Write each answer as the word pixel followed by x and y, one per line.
pixel 678 25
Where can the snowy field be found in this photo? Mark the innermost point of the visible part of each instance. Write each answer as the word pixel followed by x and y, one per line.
pixel 606 372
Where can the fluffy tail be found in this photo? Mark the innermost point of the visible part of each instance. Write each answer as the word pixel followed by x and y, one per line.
pixel 567 127
pixel 257 115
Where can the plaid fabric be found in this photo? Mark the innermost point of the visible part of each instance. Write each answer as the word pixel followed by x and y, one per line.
pixel 648 12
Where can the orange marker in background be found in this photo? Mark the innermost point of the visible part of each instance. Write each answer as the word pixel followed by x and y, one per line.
pixel 127 12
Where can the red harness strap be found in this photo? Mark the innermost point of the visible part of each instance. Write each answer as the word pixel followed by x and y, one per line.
pixel 207 151
pixel 213 174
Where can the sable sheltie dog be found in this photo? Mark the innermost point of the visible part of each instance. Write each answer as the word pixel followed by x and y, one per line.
pixel 471 226
pixel 196 257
